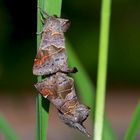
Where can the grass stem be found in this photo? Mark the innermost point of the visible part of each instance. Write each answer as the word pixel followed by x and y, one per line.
pixel 102 69
pixel 52 7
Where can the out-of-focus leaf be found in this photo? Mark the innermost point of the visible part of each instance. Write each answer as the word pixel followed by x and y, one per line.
pixel 134 125
pixel 6 129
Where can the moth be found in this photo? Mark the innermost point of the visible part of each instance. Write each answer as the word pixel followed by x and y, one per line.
pixel 51 63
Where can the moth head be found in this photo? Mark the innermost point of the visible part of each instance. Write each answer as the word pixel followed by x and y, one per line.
pixel 65 23
pixel 81 113
pixel 56 24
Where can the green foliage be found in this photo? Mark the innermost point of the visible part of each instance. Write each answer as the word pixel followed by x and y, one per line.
pixel 108 132
pixel 8 132
pixel 134 125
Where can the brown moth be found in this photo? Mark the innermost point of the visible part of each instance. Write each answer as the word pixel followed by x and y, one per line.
pixel 59 90
pixel 51 62
pixel 51 56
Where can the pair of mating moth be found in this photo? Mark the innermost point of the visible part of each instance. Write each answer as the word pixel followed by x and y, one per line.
pixel 51 63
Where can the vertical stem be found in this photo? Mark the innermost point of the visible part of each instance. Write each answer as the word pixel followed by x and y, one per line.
pixel 53 7
pixel 102 69
pixel 38 97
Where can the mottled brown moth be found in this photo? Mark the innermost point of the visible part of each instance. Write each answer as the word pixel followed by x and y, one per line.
pixel 51 62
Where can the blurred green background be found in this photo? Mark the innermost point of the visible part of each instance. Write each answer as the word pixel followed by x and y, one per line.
pixel 18 40
pixel 18 47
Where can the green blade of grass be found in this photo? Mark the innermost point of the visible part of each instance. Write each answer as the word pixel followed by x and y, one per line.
pixel 87 90
pixel 134 125
pixel 7 130
pixel 38 97
pixel 102 68
pixel 42 115
pixel 52 7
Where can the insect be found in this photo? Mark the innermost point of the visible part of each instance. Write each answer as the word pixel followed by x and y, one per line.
pixel 51 63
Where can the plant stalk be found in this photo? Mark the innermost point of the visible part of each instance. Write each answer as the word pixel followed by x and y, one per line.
pixel 102 69
pixel 52 7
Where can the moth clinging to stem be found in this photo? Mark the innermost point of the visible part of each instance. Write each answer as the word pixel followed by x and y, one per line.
pixel 51 63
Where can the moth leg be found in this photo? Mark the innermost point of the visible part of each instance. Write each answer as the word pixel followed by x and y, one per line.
pixel 39 33
pixel 70 70
pixel 73 70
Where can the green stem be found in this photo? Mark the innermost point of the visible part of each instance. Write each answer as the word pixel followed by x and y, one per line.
pixel 87 91
pixel 52 7
pixel 102 69
pixel 134 125
pixel 38 97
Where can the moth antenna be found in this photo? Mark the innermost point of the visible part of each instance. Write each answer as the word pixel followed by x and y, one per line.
pixel 43 13
pixel 42 20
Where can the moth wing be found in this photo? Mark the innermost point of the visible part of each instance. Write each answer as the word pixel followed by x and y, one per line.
pixel 69 106
pixel 64 89
pixel 52 39
pixel 50 61
pixel 53 88
pixel 65 86
pixel 47 87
